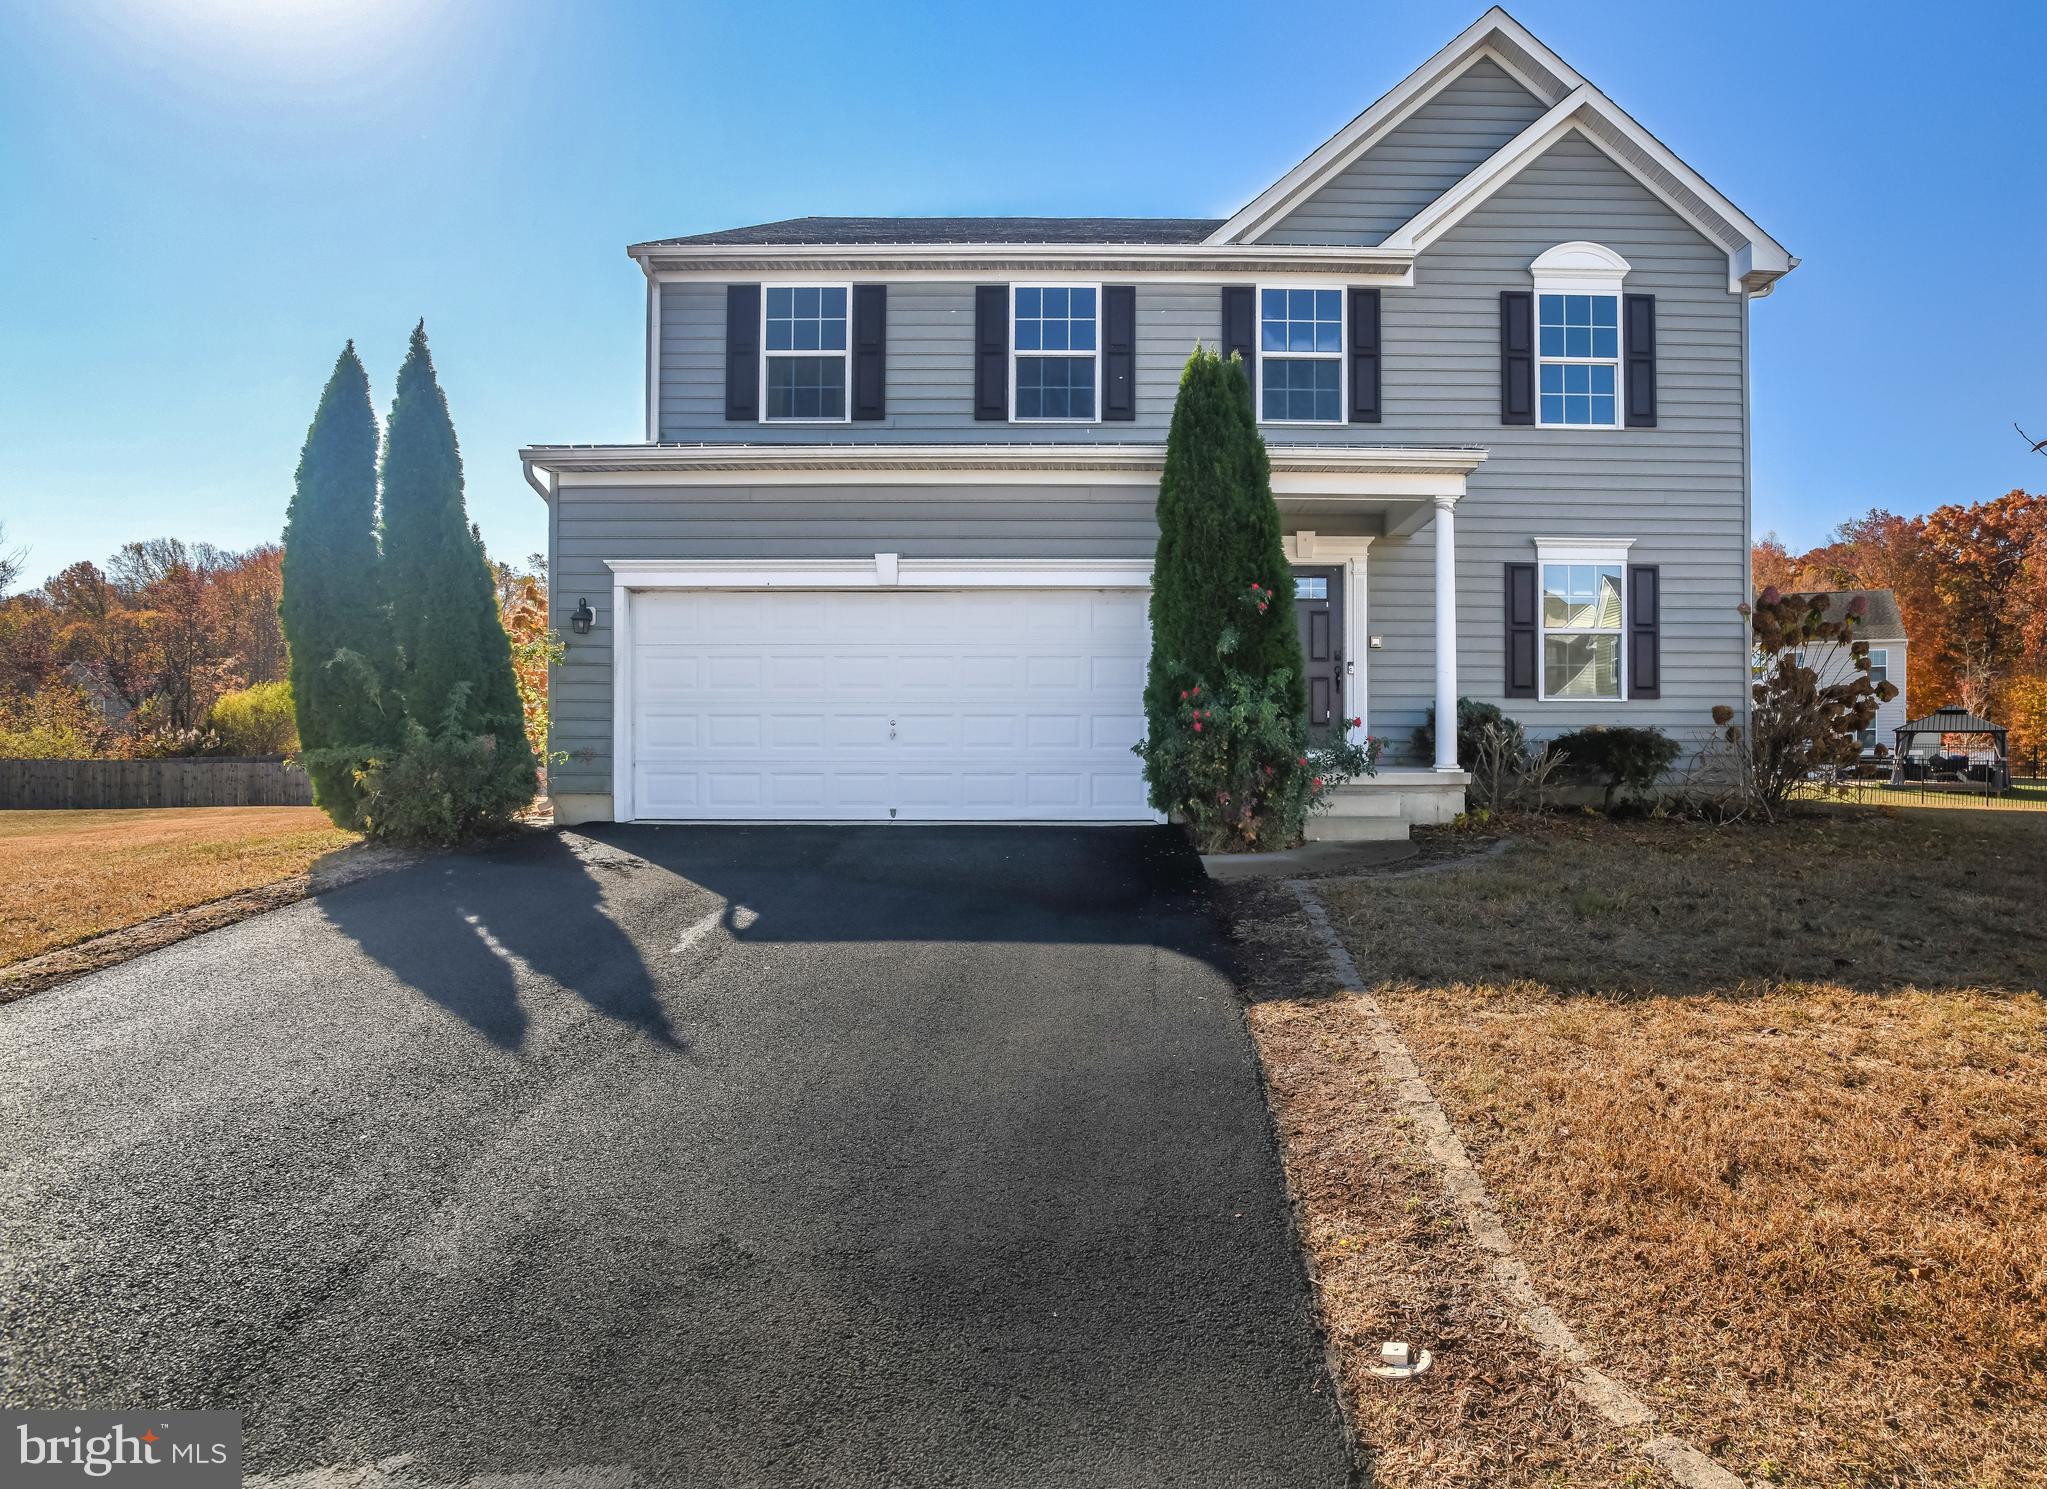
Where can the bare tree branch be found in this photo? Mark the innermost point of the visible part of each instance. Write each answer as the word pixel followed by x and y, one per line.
pixel 2039 445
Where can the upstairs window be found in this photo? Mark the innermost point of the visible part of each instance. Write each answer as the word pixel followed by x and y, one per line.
pixel 805 344
pixel 1057 353
pixel 1578 350
pixel 1578 336
pixel 1879 665
pixel 1300 356
pixel 1581 629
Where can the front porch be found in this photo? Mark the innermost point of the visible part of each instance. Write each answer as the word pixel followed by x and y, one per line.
pixel 1331 519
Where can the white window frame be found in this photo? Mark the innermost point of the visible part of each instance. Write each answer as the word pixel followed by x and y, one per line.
pixel 1885 653
pixel 1341 356
pixel 1607 551
pixel 845 356
pixel 1016 355
pixel 1581 268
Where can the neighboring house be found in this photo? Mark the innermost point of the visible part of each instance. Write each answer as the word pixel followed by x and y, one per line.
pixel 884 553
pixel 1883 627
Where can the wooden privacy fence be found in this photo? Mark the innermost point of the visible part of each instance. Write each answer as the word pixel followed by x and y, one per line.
pixel 195 781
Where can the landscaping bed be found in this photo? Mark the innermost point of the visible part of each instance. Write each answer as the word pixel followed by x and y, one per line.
pixel 1766 1110
pixel 67 876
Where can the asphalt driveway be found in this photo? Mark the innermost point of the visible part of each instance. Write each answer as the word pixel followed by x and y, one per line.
pixel 680 1156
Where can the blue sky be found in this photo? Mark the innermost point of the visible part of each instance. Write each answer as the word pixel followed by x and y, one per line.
pixel 200 200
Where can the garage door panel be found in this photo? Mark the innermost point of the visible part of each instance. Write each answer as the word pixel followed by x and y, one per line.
pixel 932 706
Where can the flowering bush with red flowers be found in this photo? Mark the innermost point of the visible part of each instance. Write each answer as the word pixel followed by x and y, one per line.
pixel 1250 781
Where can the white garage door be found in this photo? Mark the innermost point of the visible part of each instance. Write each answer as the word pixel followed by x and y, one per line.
pixel 823 706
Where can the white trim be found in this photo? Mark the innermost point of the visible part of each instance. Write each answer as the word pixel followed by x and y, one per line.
pixel 1588 269
pixel 1191 263
pixel 622 665
pixel 1348 552
pixel 1609 552
pixel 1582 550
pixel 1341 356
pixel 1017 354
pixel 1755 260
pixel 653 360
pixel 1338 472
pixel 1483 38
pixel 1580 267
pixel 845 354
pixel 634 576
pixel 866 573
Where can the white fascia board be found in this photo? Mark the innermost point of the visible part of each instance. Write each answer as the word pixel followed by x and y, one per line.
pixel 1479 39
pixel 1193 263
pixel 1761 254
pixel 1375 471
pixel 882 571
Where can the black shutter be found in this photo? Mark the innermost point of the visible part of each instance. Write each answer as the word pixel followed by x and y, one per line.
pixel 1240 329
pixel 1645 636
pixel 743 352
pixel 1517 357
pixel 1119 352
pixel 991 352
pixel 870 351
pixel 1522 598
pixel 1364 356
pixel 1639 322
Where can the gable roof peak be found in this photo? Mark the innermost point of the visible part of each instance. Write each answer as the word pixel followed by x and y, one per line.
pixel 1755 259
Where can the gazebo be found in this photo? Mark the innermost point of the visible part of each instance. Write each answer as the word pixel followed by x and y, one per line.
pixel 1954 720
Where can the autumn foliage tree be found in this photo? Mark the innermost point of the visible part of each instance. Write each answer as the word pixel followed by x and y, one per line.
pixel 1971 581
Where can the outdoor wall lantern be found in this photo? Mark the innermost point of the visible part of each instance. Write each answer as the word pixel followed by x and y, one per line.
pixel 582 618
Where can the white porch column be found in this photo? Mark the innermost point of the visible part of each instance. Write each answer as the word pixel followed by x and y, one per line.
pixel 1446 633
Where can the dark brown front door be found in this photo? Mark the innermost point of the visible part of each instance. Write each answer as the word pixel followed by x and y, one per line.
pixel 1318 610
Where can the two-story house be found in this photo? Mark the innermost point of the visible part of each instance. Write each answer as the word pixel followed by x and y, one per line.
pixel 885 550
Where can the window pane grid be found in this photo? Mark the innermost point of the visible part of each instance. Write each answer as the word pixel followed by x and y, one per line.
pixel 804 337
pixel 1581 625
pixel 1578 344
pixel 1054 332
pixel 1300 347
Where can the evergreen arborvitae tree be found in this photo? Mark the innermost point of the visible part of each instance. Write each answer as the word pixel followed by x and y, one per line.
pixel 1218 535
pixel 444 615
pixel 1225 744
pixel 332 601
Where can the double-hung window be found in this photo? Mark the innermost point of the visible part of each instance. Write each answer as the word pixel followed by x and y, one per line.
pixel 1578 354
pixel 1300 356
pixel 1879 666
pixel 1057 353
pixel 1583 604
pixel 1578 336
pixel 804 345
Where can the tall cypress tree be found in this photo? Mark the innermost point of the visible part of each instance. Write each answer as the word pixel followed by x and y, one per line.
pixel 331 600
pixel 443 604
pixel 1218 535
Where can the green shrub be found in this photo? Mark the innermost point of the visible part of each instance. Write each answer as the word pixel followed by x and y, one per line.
pixel 1474 715
pixel 441 787
pixel 257 720
pixel 53 723
pixel 1616 757
pixel 1247 782
pixel 1225 706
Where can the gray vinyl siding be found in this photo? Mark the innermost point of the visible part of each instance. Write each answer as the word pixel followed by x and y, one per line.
pixel 930 368
pixel 595 523
pixel 1833 664
pixel 1679 490
pixel 1419 160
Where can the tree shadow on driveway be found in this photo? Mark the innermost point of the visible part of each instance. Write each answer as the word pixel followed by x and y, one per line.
pixel 458 927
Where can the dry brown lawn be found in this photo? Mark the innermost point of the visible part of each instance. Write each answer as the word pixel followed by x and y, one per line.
pixel 1767 1111
pixel 67 876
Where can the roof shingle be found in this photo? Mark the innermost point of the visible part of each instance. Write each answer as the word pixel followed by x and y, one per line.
pixel 792 231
